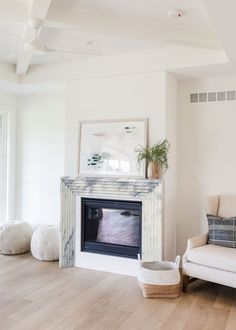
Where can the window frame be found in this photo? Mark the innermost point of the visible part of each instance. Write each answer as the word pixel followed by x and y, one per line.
pixel 8 136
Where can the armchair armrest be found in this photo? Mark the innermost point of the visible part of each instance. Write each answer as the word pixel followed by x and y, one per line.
pixel 195 242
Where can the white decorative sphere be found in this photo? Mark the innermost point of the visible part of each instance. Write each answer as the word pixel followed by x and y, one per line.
pixel 15 237
pixel 45 243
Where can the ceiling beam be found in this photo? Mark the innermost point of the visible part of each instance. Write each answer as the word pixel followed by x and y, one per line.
pixel 222 15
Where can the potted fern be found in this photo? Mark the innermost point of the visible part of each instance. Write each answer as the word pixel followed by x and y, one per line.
pixel 156 157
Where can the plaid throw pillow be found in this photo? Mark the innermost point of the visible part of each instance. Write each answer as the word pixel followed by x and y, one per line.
pixel 222 231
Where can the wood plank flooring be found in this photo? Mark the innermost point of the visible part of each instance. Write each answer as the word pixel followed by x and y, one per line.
pixel 40 295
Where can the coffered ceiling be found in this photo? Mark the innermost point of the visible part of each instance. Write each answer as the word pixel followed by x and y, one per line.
pixel 76 29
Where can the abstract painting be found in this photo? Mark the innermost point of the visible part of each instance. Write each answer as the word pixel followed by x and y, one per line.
pixel 107 148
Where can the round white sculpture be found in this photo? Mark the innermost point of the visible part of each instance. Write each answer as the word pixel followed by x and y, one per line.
pixel 15 237
pixel 45 243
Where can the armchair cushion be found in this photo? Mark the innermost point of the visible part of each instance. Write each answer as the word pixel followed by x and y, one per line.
pixel 227 206
pixel 213 256
pixel 222 231
pixel 223 206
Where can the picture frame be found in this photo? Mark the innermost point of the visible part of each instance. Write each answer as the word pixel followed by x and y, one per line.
pixel 107 147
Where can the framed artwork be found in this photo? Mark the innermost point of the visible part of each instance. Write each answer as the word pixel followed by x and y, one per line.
pixel 107 148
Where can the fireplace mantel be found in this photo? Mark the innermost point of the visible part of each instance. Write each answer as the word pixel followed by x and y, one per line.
pixel 149 192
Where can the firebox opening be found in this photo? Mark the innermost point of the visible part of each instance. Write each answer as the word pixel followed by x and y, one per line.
pixel 111 227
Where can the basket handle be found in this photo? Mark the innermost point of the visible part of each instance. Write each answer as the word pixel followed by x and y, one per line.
pixel 177 261
pixel 139 260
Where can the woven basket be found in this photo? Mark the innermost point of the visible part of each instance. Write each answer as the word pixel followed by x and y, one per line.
pixel 160 279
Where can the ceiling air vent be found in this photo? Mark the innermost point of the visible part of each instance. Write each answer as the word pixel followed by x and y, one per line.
pixel 213 96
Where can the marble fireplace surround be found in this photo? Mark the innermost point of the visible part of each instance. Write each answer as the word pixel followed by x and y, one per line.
pixel 149 192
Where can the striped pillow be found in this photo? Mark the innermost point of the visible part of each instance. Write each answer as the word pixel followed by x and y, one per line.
pixel 222 231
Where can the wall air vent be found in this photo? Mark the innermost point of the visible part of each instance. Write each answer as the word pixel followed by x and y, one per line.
pixel 203 97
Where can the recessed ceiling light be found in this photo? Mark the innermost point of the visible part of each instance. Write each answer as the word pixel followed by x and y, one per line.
pixel 175 13
pixel 93 43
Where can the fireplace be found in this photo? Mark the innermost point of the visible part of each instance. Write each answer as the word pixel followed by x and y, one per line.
pixel 148 195
pixel 111 227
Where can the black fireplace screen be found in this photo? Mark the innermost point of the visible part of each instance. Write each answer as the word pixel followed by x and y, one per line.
pixel 111 227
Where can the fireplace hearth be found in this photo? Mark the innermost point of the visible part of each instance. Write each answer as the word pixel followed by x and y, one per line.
pixel 111 227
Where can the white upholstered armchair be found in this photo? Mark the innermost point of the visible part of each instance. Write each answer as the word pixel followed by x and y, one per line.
pixel 211 262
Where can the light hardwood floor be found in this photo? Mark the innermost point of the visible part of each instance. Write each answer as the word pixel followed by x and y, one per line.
pixel 40 295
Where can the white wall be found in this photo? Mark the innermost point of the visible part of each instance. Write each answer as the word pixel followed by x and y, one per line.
pixel 206 153
pixel 170 187
pixel 40 157
pixel 7 99
pixel 139 95
pixel 125 96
